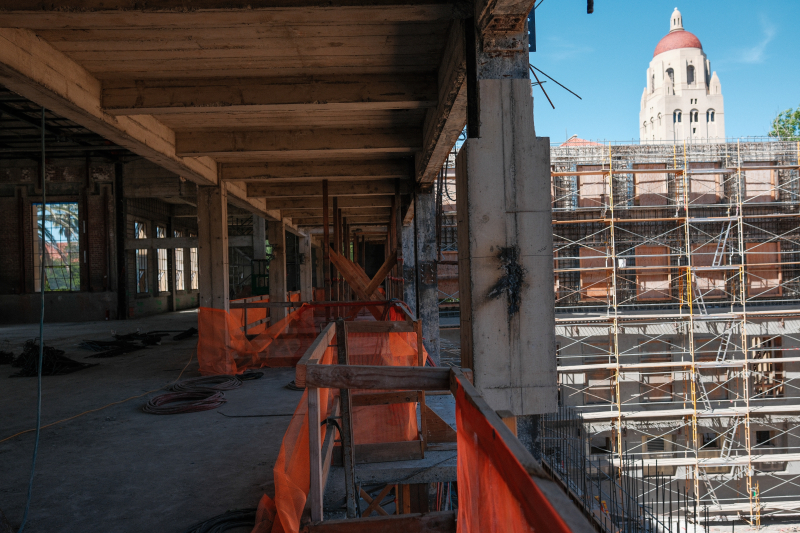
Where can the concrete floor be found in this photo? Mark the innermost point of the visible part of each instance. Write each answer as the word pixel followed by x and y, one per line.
pixel 120 469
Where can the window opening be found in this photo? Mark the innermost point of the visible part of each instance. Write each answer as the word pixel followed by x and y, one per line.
pixel 140 232
pixel 690 75
pixel 193 268
pixel 61 247
pixel 161 259
pixel 180 285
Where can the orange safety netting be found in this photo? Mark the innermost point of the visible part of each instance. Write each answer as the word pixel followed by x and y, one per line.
pixel 223 348
pixel 371 424
pixel 495 492
pixel 253 314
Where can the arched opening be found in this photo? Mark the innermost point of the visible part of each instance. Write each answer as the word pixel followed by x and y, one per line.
pixel 690 75
pixel 652 83
pixel 710 115
pixel 659 119
pixel 671 82
pixel 676 116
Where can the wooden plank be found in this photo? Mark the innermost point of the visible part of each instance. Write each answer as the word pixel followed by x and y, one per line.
pixel 315 452
pixel 32 68
pixel 380 327
pixel 361 221
pixel 348 452
pixel 313 354
pixel 167 242
pixel 263 143
pixel 205 95
pixel 378 377
pixel 437 430
pixel 387 266
pixel 444 124
pixel 377 212
pixel 264 305
pixel 317 170
pixel 314 189
pixel 345 202
pixel 384 398
pixel 388 452
pixel 261 14
pixel 434 522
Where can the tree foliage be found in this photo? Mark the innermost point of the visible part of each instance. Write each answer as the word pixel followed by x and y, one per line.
pixel 786 125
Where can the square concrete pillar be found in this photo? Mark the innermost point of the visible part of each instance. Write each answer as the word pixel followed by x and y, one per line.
pixel 409 266
pixel 426 269
pixel 277 269
pixel 212 236
pixel 505 253
pixel 306 270
pixel 259 237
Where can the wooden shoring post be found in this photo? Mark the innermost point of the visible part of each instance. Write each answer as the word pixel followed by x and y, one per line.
pixel 421 362
pixel 315 454
pixel 393 240
pixel 348 457
pixel 326 247
pixel 335 295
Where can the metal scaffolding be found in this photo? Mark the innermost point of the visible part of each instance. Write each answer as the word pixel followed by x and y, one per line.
pixel 677 277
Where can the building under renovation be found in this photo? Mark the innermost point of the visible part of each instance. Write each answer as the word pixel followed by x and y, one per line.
pixel 676 281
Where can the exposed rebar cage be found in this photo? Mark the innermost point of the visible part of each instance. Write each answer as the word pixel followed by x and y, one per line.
pixel 677 280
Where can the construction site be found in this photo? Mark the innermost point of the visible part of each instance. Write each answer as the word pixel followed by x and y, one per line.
pixel 676 282
pixel 287 266
pixel 219 269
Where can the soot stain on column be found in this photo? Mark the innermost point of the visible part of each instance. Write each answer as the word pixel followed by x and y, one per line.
pixel 510 283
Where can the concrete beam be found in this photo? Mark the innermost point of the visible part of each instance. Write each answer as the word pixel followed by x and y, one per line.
pixel 236 95
pixel 233 145
pixel 317 170
pixel 357 188
pixel 445 123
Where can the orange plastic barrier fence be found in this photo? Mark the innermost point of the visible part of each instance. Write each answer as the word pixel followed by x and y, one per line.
pixel 372 424
pixel 223 348
pixel 495 492
pixel 253 314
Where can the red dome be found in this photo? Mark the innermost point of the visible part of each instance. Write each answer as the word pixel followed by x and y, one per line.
pixel 677 39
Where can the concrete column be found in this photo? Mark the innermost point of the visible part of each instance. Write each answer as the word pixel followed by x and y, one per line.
pixel 212 237
pixel 409 266
pixel 259 237
pixel 306 269
pixel 505 251
pixel 277 269
pixel 427 287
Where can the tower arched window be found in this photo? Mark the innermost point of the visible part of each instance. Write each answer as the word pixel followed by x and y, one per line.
pixel 652 83
pixel 710 115
pixel 690 75
pixel 644 126
pixel 676 116
pixel 659 119
pixel 671 78
pixel 693 115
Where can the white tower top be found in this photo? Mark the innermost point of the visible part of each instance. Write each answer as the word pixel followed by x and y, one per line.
pixel 676 21
pixel 683 97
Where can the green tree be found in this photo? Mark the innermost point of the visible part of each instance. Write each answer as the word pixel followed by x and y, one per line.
pixel 786 125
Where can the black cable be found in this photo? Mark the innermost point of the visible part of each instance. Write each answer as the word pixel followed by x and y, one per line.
pixel 41 346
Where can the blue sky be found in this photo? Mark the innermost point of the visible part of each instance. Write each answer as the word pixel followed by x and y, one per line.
pixel 604 56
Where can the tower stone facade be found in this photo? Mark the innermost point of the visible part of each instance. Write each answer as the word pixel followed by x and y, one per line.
pixel 683 97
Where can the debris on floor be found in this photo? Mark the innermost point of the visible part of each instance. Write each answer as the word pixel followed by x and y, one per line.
pixel 131 342
pixel 6 358
pixel 237 518
pixel 54 363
